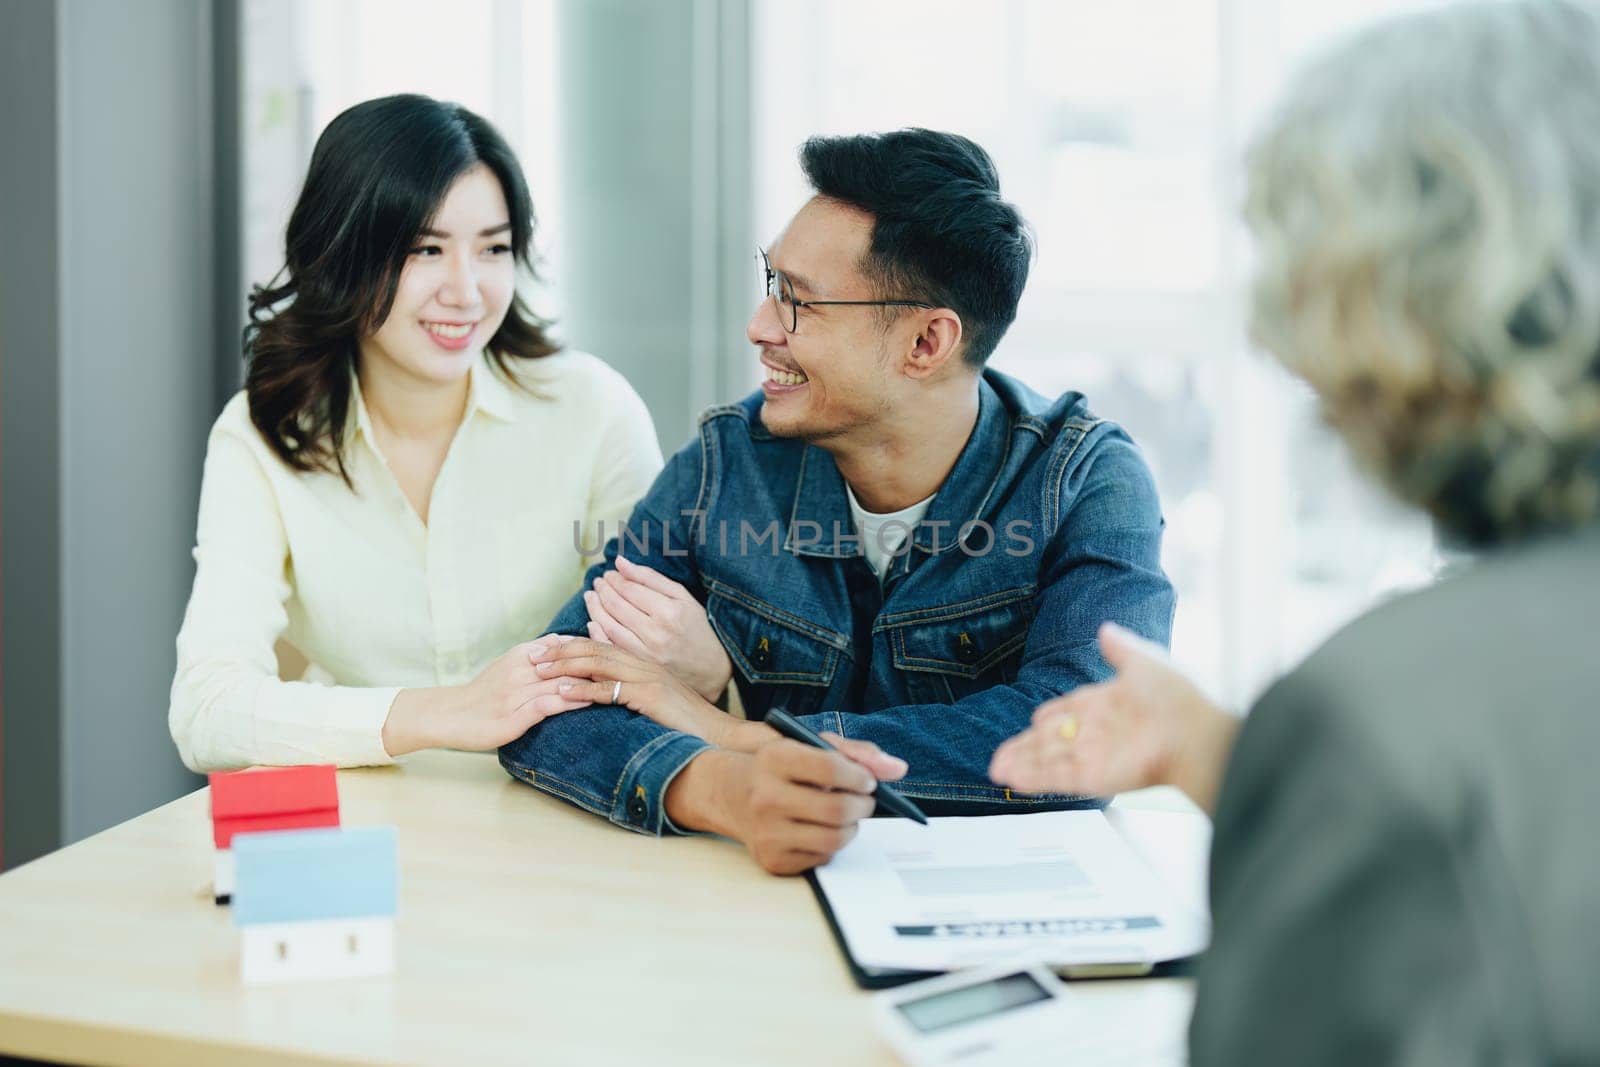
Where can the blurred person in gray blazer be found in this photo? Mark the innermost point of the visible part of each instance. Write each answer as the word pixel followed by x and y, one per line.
pixel 1406 866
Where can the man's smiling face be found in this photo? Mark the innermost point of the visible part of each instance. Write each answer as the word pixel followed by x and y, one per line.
pixel 831 375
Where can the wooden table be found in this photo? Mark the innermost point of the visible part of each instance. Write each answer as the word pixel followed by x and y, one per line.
pixel 528 932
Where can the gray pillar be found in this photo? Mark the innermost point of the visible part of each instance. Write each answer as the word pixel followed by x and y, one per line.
pixel 655 173
pixel 111 327
pixel 30 448
pixel 228 284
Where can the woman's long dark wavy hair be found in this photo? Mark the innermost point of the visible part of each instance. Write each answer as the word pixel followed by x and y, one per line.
pixel 378 175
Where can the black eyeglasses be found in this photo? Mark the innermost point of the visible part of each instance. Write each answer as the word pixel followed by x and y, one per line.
pixel 781 290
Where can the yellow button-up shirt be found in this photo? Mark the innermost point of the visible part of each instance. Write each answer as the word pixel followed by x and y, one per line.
pixel 375 600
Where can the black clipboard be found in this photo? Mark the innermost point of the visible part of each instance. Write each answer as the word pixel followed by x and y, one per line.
pixel 887 978
pixel 865 977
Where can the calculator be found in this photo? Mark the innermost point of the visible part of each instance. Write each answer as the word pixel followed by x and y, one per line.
pixel 1006 1015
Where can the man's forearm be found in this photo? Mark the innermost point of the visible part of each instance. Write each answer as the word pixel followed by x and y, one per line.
pixel 947 745
pixel 698 798
pixel 606 759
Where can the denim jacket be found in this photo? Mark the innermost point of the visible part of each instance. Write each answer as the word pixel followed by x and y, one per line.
pixel 1047 526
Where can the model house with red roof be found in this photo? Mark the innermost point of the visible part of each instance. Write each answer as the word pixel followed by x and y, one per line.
pixel 260 801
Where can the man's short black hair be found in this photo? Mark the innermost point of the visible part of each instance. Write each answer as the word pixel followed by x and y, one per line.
pixel 941 232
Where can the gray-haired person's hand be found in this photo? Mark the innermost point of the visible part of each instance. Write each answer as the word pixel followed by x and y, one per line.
pixel 1147 726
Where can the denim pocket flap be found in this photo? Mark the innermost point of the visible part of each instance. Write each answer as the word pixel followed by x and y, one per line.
pixel 962 639
pixel 770 646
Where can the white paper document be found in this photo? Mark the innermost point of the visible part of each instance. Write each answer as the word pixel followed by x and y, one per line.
pixel 1062 886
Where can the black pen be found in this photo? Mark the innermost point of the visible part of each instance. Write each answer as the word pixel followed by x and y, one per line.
pixel 795 730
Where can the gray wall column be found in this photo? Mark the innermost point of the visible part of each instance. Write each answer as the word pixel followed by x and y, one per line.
pixel 228 284
pixel 114 346
pixel 655 171
pixel 30 444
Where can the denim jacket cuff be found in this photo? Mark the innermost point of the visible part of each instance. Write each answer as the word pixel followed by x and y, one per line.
pixel 641 797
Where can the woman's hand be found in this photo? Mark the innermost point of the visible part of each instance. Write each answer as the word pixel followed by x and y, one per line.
pixel 508 698
pixel 591 670
pixel 648 614
pixel 1147 726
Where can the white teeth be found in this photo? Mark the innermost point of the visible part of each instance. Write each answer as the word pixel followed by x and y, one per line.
pixel 454 333
pixel 779 377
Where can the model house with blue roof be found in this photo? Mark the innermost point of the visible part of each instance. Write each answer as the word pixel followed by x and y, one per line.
pixel 315 903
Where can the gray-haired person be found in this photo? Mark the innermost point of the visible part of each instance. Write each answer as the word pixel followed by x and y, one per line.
pixel 1405 866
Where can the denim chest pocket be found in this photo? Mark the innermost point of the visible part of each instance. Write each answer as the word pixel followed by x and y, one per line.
pixel 949 652
pixel 782 660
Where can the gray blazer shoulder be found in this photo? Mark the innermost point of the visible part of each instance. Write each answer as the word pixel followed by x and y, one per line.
pixel 1405 868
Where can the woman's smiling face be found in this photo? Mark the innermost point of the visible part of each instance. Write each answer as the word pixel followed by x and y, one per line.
pixel 456 285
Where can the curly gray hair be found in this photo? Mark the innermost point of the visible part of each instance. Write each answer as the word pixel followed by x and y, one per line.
pixel 1426 203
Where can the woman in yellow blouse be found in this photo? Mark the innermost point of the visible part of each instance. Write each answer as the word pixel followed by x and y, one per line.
pixel 400 489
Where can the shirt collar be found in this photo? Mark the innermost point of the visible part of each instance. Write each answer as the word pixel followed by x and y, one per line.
pixel 490 393
pixel 967 489
pixel 487 392
pixel 819 496
pixel 362 423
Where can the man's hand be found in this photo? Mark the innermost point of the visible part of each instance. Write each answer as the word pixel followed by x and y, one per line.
pixel 791 805
pixel 648 614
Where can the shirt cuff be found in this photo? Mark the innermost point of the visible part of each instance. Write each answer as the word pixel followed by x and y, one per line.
pixel 641 797
pixel 305 722
pixel 371 732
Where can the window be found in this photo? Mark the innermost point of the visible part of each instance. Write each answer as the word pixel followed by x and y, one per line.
pixel 306 61
pixel 1117 130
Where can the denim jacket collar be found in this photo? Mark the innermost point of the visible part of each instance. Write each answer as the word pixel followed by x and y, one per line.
pixel 820 498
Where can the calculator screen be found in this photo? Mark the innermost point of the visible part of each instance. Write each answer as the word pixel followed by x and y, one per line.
pixel 944 1010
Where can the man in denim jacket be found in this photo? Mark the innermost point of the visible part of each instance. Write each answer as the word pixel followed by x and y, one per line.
pixel 787 518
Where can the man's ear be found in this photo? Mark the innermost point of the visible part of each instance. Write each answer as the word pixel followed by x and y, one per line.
pixel 937 342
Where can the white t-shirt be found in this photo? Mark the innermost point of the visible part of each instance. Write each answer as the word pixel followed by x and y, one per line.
pixel 883 535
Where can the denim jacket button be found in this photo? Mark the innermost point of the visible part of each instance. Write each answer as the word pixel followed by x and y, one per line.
pixel 966 650
pixel 761 655
pixel 637 809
